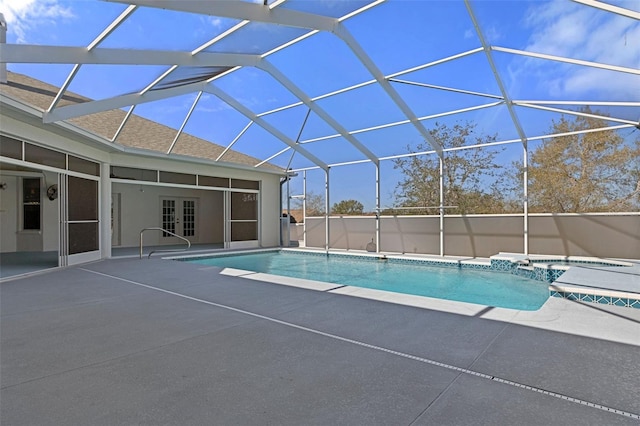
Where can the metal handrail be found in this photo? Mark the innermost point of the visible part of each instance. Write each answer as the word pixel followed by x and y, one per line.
pixel 168 232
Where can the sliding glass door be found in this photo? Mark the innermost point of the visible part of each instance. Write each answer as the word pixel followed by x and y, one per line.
pixel 243 220
pixel 80 220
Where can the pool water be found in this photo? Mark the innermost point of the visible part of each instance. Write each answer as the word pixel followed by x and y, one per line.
pixel 464 285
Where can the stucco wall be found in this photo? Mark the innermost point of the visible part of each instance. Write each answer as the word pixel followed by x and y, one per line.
pixel 483 236
pixel 12 238
pixel 599 235
pixel 270 210
pixel 270 189
pixel 133 219
pixel 8 213
pixel 140 207
pixel 586 235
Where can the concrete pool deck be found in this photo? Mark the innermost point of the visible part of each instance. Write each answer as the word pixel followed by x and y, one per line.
pixel 130 341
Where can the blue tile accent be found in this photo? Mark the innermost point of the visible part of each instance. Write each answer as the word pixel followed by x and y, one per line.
pixel 587 298
pixel 620 302
pixel 603 300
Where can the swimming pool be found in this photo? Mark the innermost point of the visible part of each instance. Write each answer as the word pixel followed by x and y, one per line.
pixel 451 283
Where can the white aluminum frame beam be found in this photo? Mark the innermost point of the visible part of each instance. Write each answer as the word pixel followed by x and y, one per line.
pixel 243 11
pixel 261 13
pixel 304 123
pixel 399 123
pixel 484 145
pixel 219 37
pixel 578 113
pixel 580 132
pixel 594 103
pixel 266 160
pixel 610 8
pixel 496 73
pixel 514 119
pixel 39 54
pixel 55 54
pixel 369 82
pixel 320 112
pixel 124 121
pixel 343 33
pixel 104 34
pixel 93 107
pixel 147 95
pixel 184 123
pixel 232 102
pixel 444 88
pixel 567 60
pixel 242 132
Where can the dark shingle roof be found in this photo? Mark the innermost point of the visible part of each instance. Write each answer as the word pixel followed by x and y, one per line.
pixel 139 132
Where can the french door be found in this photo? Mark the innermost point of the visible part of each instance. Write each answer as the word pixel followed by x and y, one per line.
pixel 179 216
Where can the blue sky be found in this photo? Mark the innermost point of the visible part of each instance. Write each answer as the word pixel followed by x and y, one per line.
pixel 397 35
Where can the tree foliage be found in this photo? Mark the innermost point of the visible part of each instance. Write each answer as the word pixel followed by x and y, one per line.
pixel 348 207
pixel 473 182
pixel 586 172
pixel 315 205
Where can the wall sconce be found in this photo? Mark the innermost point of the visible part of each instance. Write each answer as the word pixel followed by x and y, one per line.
pixel 3 185
pixel 52 192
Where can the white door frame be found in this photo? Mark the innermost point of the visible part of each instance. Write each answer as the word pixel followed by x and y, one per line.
pixel 184 223
pixel 67 259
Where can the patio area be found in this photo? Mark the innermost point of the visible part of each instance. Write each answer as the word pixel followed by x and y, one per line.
pixel 129 341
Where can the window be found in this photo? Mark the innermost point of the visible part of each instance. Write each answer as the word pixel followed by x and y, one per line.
pixel 182 178
pixel 245 184
pixel 118 172
pixel 48 157
pixel 83 166
pixel 31 204
pixel 213 181
pixel 10 147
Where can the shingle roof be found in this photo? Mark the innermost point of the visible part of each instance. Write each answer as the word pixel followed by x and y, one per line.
pixel 139 132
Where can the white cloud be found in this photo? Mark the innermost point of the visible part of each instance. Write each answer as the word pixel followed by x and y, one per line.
pixel 23 16
pixel 575 31
pixel 491 34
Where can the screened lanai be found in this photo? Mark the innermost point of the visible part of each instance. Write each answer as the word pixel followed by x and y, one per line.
pixel 515 123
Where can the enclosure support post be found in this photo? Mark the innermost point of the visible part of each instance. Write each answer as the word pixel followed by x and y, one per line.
pixel 105 211
pixel 441 206
pixel 326 210
pixel 378 211
pixel 525 185
pixel 304 208
pixel 288 221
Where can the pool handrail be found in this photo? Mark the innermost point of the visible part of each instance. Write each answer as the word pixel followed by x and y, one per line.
pixel 168 232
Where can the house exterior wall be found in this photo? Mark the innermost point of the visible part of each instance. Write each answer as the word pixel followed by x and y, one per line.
pixel 140 207
pixel 270 211
pixel 139 210
pixel 8 214
pixel 13 237
pixel 269 214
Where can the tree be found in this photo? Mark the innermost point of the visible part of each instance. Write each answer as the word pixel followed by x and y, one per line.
pixel 587 172
pixel 347 207
pixel 466 174
pixel 315 205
